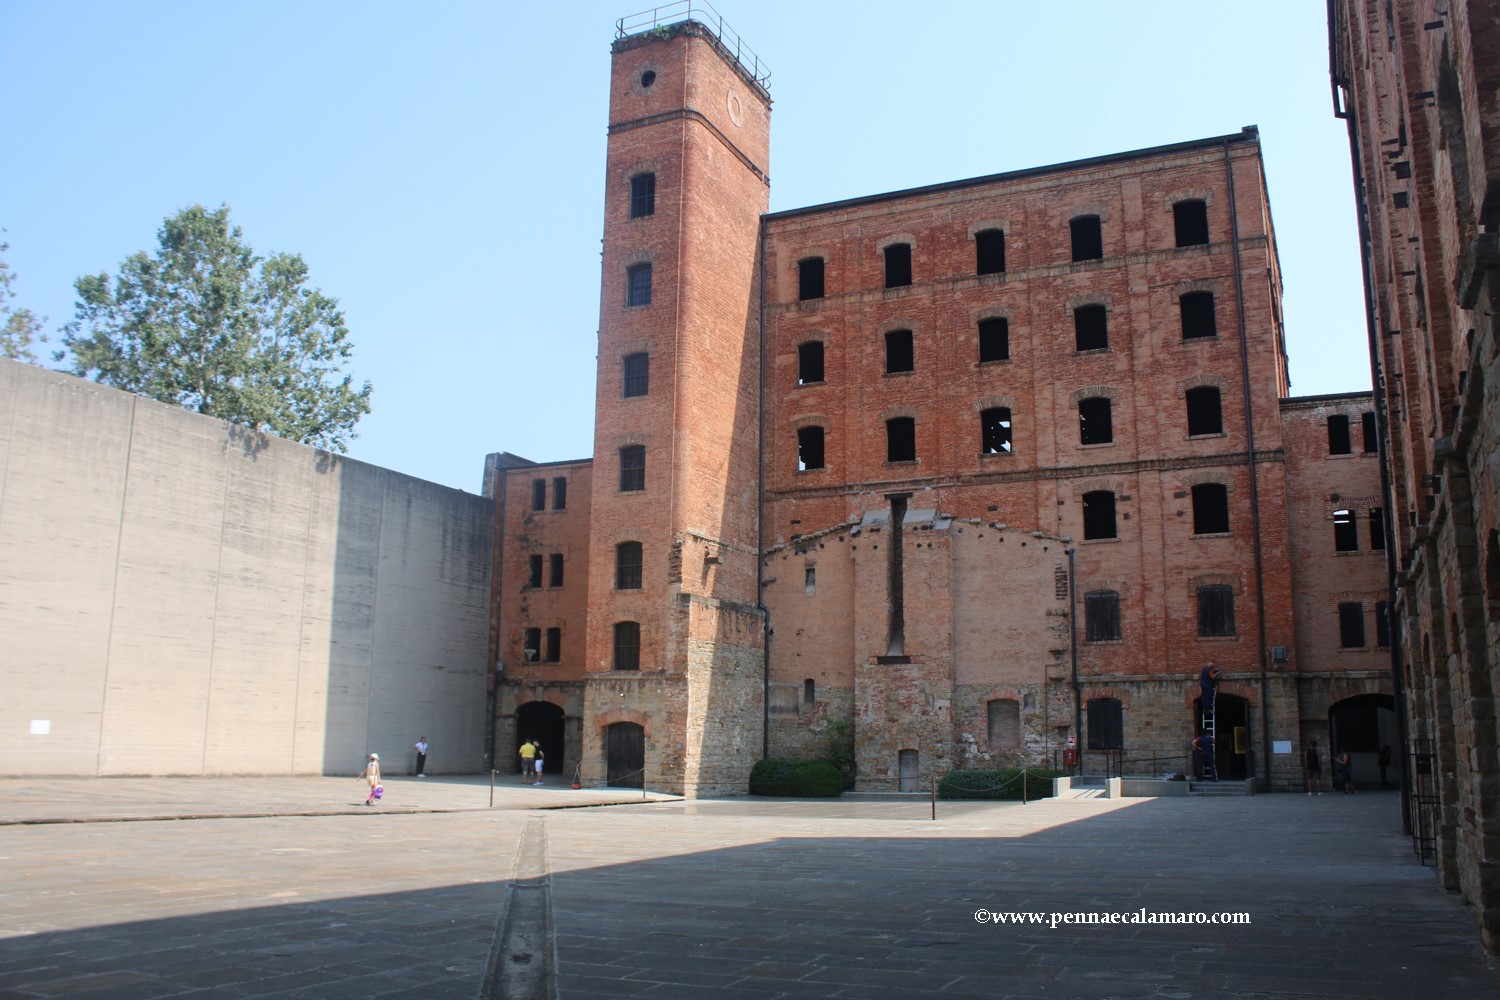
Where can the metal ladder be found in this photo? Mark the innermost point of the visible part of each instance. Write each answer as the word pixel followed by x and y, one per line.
pixel 1208 724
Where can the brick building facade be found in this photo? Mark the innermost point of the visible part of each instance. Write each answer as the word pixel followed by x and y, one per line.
pixel 979 467
pixel 1418 84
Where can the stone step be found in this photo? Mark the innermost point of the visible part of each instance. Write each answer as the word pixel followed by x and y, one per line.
pixel 1220 788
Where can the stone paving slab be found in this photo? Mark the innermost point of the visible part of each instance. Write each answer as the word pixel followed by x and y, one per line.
pixel 752 898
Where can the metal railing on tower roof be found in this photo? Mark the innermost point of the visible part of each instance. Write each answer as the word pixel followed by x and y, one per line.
pixel 703 13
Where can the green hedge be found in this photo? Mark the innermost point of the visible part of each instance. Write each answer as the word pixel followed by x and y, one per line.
pixel 1004 783
pixel 796 778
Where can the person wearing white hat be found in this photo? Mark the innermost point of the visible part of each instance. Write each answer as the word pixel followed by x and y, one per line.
pixel 371 774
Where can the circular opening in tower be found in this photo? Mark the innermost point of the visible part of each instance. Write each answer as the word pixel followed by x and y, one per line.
pixel 648 78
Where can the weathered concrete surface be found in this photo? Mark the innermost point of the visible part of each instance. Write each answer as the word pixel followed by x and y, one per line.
pixel 180 597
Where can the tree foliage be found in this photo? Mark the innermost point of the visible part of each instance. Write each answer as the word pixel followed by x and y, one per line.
pixel 208 325
pixel 19 328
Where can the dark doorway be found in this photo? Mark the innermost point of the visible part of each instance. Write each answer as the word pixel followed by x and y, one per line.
pixel 625 755
pixel 1362 725
pixel 540 720
pixel 1232 735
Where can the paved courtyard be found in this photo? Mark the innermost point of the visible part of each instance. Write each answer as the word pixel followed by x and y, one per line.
pixel 292 888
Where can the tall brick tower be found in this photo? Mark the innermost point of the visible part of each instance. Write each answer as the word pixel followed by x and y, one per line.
pixel 675 677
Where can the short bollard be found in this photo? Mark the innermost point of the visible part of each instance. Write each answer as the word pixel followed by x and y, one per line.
pixel 1024 800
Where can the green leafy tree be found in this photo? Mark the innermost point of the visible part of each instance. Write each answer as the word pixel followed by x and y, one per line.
pixel 19 328
pixel 208 325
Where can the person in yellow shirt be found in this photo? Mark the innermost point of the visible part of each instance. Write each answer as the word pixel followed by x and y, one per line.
pixel 528 759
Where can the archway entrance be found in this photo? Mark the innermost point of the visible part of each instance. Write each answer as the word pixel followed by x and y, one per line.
pixel 541 720
pixel 625 755
pixel 1232 735
pixel 1364 725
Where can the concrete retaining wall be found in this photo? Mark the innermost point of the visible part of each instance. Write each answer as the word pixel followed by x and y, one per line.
pixel 178 596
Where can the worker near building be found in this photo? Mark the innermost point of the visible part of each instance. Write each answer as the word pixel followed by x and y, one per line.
pixel 528 759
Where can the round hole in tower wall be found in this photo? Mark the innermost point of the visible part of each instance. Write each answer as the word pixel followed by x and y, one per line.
pixel 648 78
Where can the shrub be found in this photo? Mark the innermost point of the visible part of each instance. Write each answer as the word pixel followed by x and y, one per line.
pixel 840 739
pixel 1004 783
pixel 796 778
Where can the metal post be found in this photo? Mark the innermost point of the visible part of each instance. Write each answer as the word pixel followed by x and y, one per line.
pixel 1024 800
pixel 492 788
pixel 933 788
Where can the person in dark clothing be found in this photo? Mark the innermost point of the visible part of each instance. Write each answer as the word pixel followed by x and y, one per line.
pixel 1312 769
pixel 1344 770
pixel 1384 764
pixel 1203 750
pixel 1208 679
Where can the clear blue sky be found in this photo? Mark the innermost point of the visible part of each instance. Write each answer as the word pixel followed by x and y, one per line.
pixel 440 166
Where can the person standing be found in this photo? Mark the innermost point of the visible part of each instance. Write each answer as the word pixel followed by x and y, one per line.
pixel 537 746
pixel 1312 769
pixel 1203 751
pixel 1384 763
pixel 1346 770
pixel 371 775
pixel 528 757
pixel 421 747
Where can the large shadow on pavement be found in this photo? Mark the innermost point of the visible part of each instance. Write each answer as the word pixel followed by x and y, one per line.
pixel 835 907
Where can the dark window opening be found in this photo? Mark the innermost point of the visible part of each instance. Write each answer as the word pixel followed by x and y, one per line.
pixel 1377 529
pixel 1091 328
pixel 632 468
pixel 1351 625
pixel 1003 722
pixel 989 251
pixel 1367 425
pixel 995 431
pixel 534 576
pixel 1106 724
pixel 1382 624
pixel 900 356
pixel 1205 414
pixel 1345 533
pixel 642 195
pixel 555 578
pixel 901 439
pixel 1210 509
pixel 810 580
pixel 638 285
pixel 1088 238
pixel 810 278
pixel 539 494
pixel 1101 616
pixel 994 339
pixel 637 374
pixel 627 646
pixel 559 493
pixel 1338 435
pixel 897 265
pixel 1099 515
pixel 1095 421
pixel 1198 319
pixel 1215 611
pixel 554 645
pixel 628 566
pixel 809 448
pixel 810 362
pixel 809 693
pixel 1190 218
pixel 531 645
